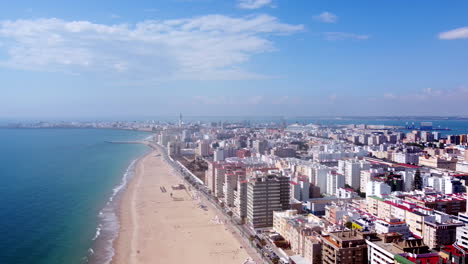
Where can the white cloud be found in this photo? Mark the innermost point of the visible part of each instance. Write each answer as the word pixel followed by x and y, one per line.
pixel 432 95
pixel 253 4
pixel 344 35
pixel 458 33
pixel 432 92
pixel 326 17
pixel 205 47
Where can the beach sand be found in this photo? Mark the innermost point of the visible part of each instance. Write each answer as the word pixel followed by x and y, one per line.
pixel 158 228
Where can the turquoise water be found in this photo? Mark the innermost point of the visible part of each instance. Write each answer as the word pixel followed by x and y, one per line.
pixel 53 185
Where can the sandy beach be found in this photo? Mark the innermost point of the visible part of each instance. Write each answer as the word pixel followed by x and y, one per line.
pixel 158 228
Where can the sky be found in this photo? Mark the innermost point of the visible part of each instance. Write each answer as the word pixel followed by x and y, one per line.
pixel 128 59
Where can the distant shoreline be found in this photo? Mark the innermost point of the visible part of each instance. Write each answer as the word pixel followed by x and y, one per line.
pixel 8 123
pixel 94 128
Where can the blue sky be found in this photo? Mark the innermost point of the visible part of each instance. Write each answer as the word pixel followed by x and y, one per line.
pixel 127 59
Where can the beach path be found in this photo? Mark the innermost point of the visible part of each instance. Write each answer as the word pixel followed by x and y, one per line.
pixel 160 224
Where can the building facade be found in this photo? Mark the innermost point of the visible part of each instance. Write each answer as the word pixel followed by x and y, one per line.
pixel 266 194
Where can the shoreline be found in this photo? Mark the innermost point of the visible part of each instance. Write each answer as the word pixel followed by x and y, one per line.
pixel 157 222
pixel 120 206
pixel 102 250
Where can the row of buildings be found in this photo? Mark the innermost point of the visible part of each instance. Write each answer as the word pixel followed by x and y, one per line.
pixel 336 194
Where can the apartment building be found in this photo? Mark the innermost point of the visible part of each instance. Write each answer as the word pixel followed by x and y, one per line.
pixel 440 231
pixel 313 249
pixel 462 236
pixel 265 194
pixel 203 148
pixel 353 173
pixel 344 247
pixel 450 203
pixel 393 225
pixel 438 162
pixel 334 181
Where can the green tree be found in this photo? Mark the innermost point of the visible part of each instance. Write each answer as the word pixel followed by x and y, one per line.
pixel 417 182
pixel 349 225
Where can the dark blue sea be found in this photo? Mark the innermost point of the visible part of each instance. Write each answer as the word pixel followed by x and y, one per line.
pixel 58 193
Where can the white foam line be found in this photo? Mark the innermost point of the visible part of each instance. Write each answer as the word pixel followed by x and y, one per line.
pixel 109 221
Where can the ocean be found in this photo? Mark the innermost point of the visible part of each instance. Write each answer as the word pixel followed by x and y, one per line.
pixel 58 193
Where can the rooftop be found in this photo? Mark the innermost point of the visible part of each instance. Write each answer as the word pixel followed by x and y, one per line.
pixel 451 249
pixel 408 166
pixel 388 247
pixel 346 235
pixel 439 197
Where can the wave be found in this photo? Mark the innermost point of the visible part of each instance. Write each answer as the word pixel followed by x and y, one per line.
pixel 107 231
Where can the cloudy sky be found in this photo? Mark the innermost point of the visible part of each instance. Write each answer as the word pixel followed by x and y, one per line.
pixel 122 59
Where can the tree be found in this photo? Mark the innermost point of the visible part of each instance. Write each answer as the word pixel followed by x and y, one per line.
pixel 349 225
pixel 361 194
pixel 417 182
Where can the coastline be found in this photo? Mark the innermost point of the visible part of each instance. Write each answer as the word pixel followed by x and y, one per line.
pixel 107 231
pixel 118 245
pixel 155 227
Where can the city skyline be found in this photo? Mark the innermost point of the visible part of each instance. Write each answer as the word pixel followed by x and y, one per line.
pixel 246 57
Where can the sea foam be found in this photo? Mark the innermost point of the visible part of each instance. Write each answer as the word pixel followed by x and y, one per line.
pixel 107 231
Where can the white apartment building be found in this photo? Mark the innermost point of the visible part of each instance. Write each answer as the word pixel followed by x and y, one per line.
pixel 219 177
pixel 163 139
pixel 462 236
pixel 353 173
pixel 174 148
pixel 320 174
pixel 334 181
pixel 300 189
pixel 203 148
pixel 218 154
pixel 229 185
pixel 367 175
pixel 345 193
pixel 408 177
pixel 375 188
pixel 380 253
pixel 240 199
pixel 406 158
pixel 443 184
pixel 392 225
pixel 462 166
